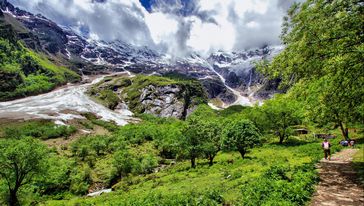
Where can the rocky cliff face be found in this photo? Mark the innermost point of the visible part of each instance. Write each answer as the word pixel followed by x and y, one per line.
pixel 165 101
pixel 159 96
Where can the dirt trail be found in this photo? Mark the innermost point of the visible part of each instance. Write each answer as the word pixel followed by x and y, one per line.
pixel 338 182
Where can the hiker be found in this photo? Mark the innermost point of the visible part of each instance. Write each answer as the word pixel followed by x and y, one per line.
pixel 344 143
pixel 351 142
pixel 326 146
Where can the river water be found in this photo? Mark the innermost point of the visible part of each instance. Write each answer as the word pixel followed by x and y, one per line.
pixel 61 105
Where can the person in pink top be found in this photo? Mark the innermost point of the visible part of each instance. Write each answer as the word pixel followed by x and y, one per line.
pixel 326 146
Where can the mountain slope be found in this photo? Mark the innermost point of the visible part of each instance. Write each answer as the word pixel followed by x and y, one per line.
pixel 226 76
pixel 23 71
pixel 160 96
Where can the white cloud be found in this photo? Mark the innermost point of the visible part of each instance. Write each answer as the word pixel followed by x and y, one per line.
pixel 210 25
pixel 209 37
pixel 161 26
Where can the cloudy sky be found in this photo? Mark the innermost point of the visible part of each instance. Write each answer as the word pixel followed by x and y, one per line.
pixel 174 26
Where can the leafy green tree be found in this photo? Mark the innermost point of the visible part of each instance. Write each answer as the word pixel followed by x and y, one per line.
pixel 240 135
pixel 281 114
pixel 323 59
pixel 192 140
pixel 201 135
pixel 167 140
pixel 211 130
pixel 148 163
pixel 20 161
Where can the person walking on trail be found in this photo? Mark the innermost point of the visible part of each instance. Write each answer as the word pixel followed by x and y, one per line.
pixel 326 146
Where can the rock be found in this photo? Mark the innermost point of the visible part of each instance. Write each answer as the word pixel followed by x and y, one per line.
pixel 159 96
pixel 98 193
pixel 164 101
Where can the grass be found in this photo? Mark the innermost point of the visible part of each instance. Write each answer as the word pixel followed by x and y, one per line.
pixel 25 72
pixel 42 129
pixel 111 91
pixel 229 181
pixel 358 163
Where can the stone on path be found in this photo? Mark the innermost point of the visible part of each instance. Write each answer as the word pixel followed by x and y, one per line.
pixel 338 182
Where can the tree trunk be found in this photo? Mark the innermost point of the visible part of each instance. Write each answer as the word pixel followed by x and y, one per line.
pixel 211 160
pixel 344 131
pixel 281 139
pixel 242 152
pixel 193 162
pixel 281 136
pixel 13 199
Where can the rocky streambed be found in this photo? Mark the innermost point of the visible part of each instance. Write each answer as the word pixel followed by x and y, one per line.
pixel 63 104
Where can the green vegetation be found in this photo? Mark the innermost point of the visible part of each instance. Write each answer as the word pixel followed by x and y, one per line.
pixel 288 177
pixel 41 129
pixel 358 163
pixel 24 72
pixel 20 161
pixel 166 161
pixel 323 60
pixel 241 135
pixel 111 91
pixel 281 114
pixel 149 163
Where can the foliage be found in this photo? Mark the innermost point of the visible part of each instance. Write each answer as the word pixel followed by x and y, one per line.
pixel 193 139
pixel 42 129
pixel 323 59
pixel 124 162
pixel 110 126
pixel 111 90
pixel 20 161
pixel 358 164
pixel 281 114
pixel 287 178
pixel 56 181
pixel 208 127
pixel 281 185
pixel 24 72
pixel 241 135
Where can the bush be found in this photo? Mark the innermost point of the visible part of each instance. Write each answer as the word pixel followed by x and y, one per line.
pixel 80 180
pixel 39 129
pixel 280 183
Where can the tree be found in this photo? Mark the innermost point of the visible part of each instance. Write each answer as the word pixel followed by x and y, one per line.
pixel 281 114
pixel 211 131
pixel 323 59
pixel 240 135
pixel 202 135
pixel 20 161
pixel 192 140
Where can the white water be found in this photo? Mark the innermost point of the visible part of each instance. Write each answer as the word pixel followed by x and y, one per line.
pixel 61 105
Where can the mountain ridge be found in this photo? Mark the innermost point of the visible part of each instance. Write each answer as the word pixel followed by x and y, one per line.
pixel 221 73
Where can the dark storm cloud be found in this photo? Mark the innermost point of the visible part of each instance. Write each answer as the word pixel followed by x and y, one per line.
pixel 184 8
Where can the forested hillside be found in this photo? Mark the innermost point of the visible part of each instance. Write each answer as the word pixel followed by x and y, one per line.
pixel 24 72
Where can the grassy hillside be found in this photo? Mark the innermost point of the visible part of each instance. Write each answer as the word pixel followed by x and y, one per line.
pixel 111 90
pixel 148 163
pixel 288 178
pixel 24 72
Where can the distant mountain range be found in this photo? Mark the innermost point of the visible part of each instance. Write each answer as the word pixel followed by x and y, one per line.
pixel 224 74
